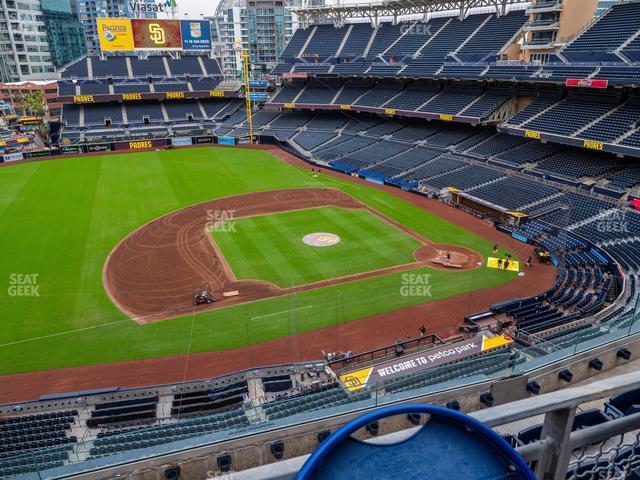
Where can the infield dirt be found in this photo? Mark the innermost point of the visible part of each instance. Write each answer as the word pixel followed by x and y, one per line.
pixel 154 272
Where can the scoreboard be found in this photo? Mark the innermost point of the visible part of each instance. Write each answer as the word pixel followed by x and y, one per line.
pixel 137 34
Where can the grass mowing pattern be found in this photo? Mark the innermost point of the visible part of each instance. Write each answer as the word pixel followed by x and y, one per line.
pixel 270 247
pixel 61 218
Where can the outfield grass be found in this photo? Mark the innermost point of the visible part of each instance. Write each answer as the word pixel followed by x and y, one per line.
pixel 270 247
pixel 59 219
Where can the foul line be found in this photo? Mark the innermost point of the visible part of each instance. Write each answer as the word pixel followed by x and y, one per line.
pixel 277 313
pixel 61 333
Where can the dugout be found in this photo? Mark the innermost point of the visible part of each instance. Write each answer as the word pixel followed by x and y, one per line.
pixel 464 201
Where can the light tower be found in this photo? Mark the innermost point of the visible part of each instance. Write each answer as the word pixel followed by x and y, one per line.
pixel 244 54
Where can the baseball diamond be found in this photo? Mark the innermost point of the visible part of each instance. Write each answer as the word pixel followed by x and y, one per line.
pixel 120 253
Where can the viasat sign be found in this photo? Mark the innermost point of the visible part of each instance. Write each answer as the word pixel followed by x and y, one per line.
pixel 161 6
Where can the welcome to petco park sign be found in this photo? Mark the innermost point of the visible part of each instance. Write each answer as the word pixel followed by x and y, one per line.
pixel 421 360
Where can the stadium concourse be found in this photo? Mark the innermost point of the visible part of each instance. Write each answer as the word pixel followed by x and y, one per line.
pixel 537 158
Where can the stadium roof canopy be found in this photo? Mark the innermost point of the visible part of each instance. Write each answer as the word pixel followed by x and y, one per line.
pixel 395 9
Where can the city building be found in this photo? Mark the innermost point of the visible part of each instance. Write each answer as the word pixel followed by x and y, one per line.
pixel 24 45
pixel 604 4
pixel 36 37
pixel 554 23
pixel 261 26
pixel 13 94
pixel 64 31
pixel 90 10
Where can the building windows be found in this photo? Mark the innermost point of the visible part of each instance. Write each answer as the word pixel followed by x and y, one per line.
pixel 603 5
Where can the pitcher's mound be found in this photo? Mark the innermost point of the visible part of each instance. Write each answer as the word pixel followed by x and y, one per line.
pixel 321 239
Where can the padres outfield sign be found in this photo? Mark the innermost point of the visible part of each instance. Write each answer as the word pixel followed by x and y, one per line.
pixel 140 145
pixel 420 361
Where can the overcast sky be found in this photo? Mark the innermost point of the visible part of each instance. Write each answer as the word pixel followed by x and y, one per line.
pixel 193 8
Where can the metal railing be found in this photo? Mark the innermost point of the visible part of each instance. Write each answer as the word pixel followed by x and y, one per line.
pixel 597 452
pixel 555 453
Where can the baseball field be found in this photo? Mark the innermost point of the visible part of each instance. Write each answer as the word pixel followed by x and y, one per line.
pixel 268 247
pixel 61 220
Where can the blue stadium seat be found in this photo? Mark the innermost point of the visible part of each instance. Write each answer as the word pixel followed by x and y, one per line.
pixel 152 66
pixel 185 65
pixel 357 41
pixel 77 69
pixel 448 438
pixel 599 41
pixel 325 42
pixel 110 67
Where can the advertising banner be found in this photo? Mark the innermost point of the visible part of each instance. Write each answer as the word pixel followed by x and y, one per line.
pixel 196 34
pixel 226 140
pixel 139 144
pixel 587 83
pixel 115 34
pixel 144 6
pixel 522 238
pixel 40 153
pixel 259 96
pixel 181 141
pixel 420 361
pixel 156 34
pixel 12 157
pixel 294 75
pixel 72 149
pixel 203 140
pixel 99 147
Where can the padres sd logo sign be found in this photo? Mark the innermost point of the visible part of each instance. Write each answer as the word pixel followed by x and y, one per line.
pixel 321 239
pixel 156 34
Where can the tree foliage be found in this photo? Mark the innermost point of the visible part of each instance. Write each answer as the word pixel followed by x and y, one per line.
pixel 35 102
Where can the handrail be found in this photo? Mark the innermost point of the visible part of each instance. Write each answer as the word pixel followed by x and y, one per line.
pixel 549 404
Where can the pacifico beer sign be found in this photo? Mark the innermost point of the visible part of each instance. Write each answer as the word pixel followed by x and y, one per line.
pixel 115 34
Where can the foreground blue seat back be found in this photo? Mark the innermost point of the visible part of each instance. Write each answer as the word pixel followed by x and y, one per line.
pixel 450 445
pixel 623 404
pixel 588 418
